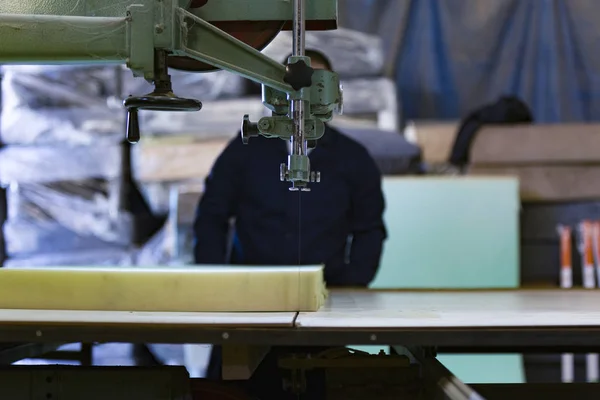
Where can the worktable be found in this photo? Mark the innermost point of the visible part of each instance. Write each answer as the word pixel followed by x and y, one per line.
pixel 503 318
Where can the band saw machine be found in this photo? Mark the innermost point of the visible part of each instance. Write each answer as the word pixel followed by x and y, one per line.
pixel 151 36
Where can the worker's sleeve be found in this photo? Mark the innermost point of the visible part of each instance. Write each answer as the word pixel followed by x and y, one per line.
pixel 368 228
pixel 216 207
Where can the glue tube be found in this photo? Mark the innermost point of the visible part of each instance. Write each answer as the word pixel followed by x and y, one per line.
pixel 566 257
pixel 586 230
pixel 593 360
pixel 586 249
pixel 596 243
pixel 566 282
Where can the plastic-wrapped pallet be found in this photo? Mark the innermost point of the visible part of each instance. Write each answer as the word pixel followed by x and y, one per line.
pixel 60 104
pixel 82 104
pixel 353 54
pixel 63 199
pixel 160 249
pixel 65 216
pixel 35 164
pixel 115 256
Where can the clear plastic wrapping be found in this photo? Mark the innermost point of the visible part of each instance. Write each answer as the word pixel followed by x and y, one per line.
pixel 160 249
pixel 105 256
pixel 29 238
pixel 352 53
pixel 67 86
pixel 368 95
pixel 81 104
pixel 77 126
pixel 376 96
pixel 65 104
pixel 88 208
pixel 156 195
pixel 173 244
pixel 58 86
pixel 37 164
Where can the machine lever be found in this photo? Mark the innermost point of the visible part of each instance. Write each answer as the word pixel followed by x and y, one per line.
pixel 162 102
pixel 155 102
pixel 133 126
pixel 161 99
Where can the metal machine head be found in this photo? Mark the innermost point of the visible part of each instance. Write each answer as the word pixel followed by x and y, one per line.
pixel 298 117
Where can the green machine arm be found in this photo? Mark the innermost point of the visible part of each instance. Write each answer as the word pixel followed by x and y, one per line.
pixel 143 34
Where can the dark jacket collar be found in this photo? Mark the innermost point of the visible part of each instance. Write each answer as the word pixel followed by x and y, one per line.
pixel 329 137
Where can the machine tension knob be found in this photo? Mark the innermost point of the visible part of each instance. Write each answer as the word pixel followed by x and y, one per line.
pixel 248 130
pixel 298 75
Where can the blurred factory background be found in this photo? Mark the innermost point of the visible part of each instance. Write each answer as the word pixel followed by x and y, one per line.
pixel 504 92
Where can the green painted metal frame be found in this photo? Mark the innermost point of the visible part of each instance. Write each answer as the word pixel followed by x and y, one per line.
pixel 128 34
pixel 203 41
pixel 213 11
pixel 44 39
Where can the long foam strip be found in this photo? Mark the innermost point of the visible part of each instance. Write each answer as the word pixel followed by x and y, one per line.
pixel 190 289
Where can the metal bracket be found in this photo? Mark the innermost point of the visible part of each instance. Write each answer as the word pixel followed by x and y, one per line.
pixel 282 127
pixel 140 40
pixel 203 41
pixel 325 96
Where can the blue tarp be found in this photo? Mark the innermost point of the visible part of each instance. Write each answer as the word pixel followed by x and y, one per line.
pixel 451 56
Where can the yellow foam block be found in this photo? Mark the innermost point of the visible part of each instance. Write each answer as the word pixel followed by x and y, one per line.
pixel 192 289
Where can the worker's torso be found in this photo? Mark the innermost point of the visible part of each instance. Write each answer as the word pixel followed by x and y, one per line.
pixel 275 226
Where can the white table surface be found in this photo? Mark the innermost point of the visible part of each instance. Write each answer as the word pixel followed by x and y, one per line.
pixel 364 309
pixel 122 318
pixel 479 309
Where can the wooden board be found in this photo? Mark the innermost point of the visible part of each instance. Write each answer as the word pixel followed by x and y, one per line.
pixel 537 144
pixel 192 289
pixel 477 309
pixel 435 138
pixel 175 158
pixel 549 183
pixel 157 319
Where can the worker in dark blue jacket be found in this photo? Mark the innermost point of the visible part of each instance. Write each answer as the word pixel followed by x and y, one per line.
pixel 339 223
